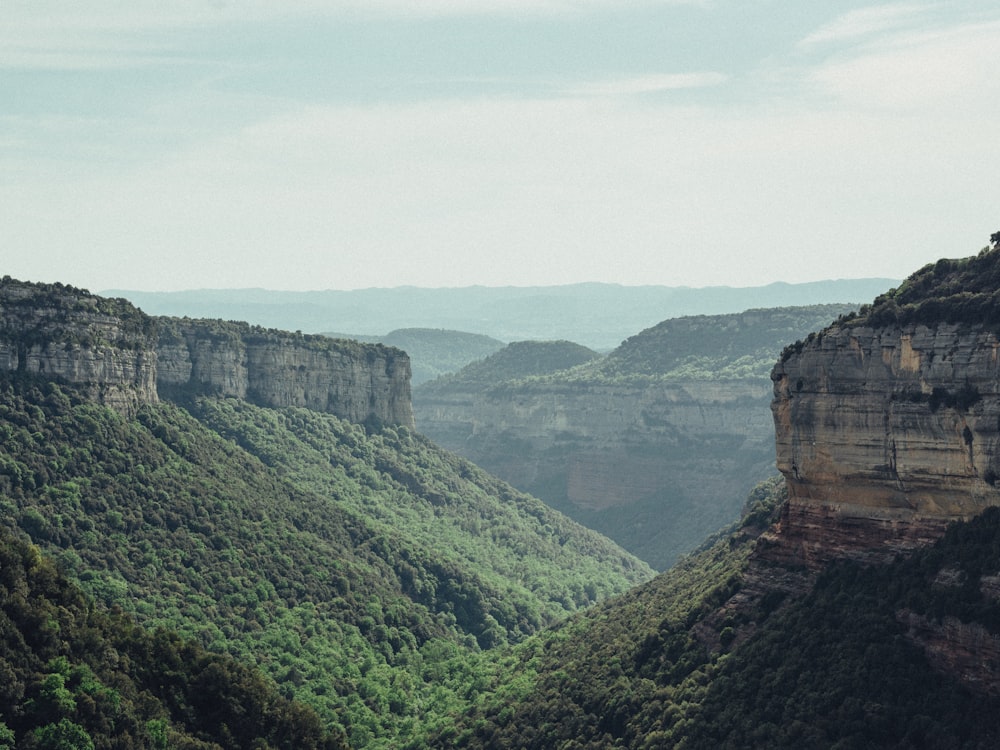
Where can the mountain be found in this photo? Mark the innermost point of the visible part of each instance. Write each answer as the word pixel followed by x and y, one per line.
pixel 520 359
pixel 433 352
pixel 239 497
pixel 654 445
pixel 599 316
pixel 857 604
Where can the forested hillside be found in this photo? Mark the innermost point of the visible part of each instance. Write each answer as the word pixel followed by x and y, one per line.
pixel 363 573
pixel 727 651
pixel 73 675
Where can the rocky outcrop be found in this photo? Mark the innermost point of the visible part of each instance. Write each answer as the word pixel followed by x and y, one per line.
pixel 359 382
pixel 103 346
pixel 123 358
pixel 884 436
pixel 966 650
pixel 657 467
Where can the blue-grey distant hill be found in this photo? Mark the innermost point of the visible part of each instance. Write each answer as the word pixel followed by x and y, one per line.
pixel 599 316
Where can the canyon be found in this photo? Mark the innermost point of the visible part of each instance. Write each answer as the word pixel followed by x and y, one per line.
pixel 655 445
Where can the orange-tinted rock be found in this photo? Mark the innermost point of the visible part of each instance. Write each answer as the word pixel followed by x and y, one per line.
pixel 884 436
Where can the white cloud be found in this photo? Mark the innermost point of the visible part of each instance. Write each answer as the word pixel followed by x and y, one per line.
pixel 954 67
pixel 891 165
pixel 68 34
pixel 517 191
pixel 864 22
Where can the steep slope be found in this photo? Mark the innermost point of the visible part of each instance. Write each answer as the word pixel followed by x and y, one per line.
pixel 727 650
pixel 359 382
pixel 74 676
pixel 350 562
pixel 887 422
pixel 104 346
pixel 123 358
pixel 312 550
pixel 861 611
pixel 655 445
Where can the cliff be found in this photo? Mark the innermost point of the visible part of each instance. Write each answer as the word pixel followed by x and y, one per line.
pixel 887 422
pixel 104 346
pixel 123 358
pixel 358 382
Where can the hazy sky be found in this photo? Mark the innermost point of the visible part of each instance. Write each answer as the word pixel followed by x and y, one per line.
pixel 353 143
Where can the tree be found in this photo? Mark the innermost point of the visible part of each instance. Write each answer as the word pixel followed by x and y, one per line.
pixel 63 736
pixel 995 240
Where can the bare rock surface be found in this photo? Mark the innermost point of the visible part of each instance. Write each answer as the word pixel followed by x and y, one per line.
pixel 124 358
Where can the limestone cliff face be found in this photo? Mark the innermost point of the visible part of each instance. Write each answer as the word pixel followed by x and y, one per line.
pixel 354 381
pixel 103 346
pixel 123 358
pixel 610 444
pixel 683 454
pixel 884 435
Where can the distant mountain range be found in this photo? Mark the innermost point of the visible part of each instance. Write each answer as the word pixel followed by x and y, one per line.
pixel 599 316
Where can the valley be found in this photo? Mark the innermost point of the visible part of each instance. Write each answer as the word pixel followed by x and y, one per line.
pixel 201 519
pixel 655 445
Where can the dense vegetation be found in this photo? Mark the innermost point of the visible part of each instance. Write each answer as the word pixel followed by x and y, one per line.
pixel 73 675
pixel 709 347
pixel 963 291
pixel 703 657
pixel 63 314
pixel 521 359
pixel 365 573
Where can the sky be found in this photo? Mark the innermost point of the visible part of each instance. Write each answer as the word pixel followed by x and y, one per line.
pixel 345 144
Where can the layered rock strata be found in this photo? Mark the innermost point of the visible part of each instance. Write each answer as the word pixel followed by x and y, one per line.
pixel 123 358
pixel 657 467
pixel 103 346
pixel 884 435
pixel 359 382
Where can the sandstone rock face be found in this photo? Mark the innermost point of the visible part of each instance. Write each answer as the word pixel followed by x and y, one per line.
pixel 354 381
pixel 885 435
pixel 103 346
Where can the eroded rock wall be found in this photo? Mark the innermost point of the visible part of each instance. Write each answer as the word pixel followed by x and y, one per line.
pixel 123 358
pixel 885 435
pixel 658 467
pixel 359 382
pixel 103 346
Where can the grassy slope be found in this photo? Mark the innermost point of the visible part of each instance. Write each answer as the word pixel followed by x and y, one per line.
pixel 363 573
